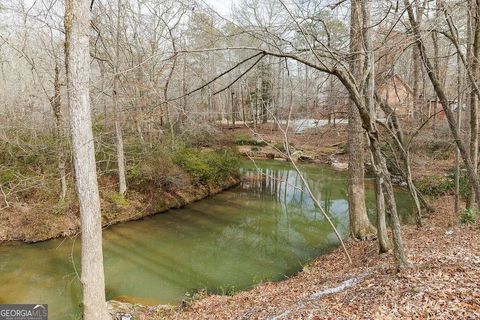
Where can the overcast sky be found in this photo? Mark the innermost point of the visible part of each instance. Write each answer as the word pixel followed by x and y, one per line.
pixel 222 6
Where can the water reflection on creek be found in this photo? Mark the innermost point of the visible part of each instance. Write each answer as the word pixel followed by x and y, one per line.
pixel 264 229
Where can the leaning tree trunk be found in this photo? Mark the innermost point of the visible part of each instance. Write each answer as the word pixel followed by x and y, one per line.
pixel 470 167
pixel 77 26
pixel 360 226
pixel 397 135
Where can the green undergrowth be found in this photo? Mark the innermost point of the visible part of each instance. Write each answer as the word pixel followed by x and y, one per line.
pixel 29 167
pixel 281 147
pixel 213 166
pixel 245 140
pixel 116 198
pixel 28 164
pixel 469 217
pixel 437 186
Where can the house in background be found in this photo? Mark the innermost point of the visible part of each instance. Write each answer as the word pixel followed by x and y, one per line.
pixel 397 94
pixel 431 107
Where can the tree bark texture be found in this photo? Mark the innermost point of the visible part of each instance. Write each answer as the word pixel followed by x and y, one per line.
pixel 360 226
pixel 77 26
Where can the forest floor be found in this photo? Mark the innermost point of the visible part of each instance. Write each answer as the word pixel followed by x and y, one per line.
pixel 443 282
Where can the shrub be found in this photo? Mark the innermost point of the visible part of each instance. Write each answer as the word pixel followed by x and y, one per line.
pixel 469 216
pixel 195 165
pixel 156 170
pixel 440 149
pixel 435 186
pixel 200 136
pixel 28 166
pixel 281 147
pixel 255 149
pixel 244 140
pixel 116 198
pixel 208 166
pixel 464 183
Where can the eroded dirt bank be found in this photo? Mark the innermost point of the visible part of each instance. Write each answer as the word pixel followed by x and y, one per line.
pixel 42 221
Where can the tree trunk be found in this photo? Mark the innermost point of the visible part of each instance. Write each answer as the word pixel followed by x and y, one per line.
pixel 436 69
pixel 242 102
pixel 232 94
pixel 459 125
pixel 417 65
pixel 258 98
pixel 360 226
pixel 122 182
pixel 57 110
pixel 384 244
pixel 383 241
pixel 77 26
pixel 278 95
pixel 416 81
pixel 183 117
pixel 473 104
pixel 379 164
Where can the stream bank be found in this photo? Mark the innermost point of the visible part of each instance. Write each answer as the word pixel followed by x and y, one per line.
pixel 28 224
pixel 157 181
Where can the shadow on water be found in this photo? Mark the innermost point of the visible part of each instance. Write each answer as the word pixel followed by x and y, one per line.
pixel 264 229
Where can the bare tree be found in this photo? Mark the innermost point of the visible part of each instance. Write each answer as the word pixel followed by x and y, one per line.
pixel 122 182
pixel 440 92
pixel 360 226
pixel 417 62
pixel 473 54
pixel 57 110
pixel 77 26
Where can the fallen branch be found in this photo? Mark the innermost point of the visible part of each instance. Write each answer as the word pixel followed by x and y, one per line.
pixel 317 295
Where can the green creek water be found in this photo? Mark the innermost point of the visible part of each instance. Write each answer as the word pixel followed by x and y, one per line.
pixel 264 229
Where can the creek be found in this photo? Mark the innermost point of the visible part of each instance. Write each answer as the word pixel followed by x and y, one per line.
pixel 264 229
